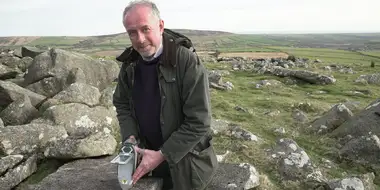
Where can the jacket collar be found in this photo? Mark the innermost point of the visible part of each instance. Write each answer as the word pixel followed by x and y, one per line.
pixel 168 57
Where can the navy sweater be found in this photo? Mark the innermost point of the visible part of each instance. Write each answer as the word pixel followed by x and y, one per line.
pixel 147 101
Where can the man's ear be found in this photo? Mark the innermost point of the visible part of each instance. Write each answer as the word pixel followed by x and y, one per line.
pixel 161 25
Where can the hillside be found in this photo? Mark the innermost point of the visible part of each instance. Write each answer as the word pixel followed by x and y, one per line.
pixel 208 40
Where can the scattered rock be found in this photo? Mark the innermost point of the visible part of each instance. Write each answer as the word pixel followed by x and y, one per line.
pixel 292 81
pixel 241 109
pixel 347 183
pixel 77 93
pixel 19 112
pixel 362 123
pixel 8 162
pixel 340 68
pixel 354 106
pixel 29 138
pixel 274 83
pixel 362 182
pixel 30 51
pixel 230 129
pixel 241 66
pixel 299 116
pixel 308 76
pixel 7 72
pixel 238 132
pixel 99 144
pixel 219 126
pixel 216 82
pixel 293 161
pixel 369 79
pixel 50 71
pixel 235 176
pixel 280 130
pixel 305 106
pixel 336 116
pixel 80 120
pixel 272 113
pixel 327 163
pixel 362 150
pixel 10 92
pixel 24 63
pixel 355 93
pixel 10 61
pixel 16 175
pixel 222 157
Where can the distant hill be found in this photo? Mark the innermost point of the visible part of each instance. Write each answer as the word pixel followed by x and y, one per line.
pixel 206 40
pixel 71 40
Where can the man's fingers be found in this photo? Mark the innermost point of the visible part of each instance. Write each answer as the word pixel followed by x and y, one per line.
pixel 136 175
pixel 140 171
pixel 139 150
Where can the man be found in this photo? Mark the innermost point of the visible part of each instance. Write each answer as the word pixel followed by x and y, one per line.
pixel 162 101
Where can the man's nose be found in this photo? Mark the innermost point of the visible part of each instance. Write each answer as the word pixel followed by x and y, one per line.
pixel 140 37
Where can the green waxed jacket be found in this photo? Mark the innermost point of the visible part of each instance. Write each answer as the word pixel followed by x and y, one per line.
pixel 185 113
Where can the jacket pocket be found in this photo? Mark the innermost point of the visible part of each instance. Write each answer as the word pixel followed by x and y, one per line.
pixel 203 165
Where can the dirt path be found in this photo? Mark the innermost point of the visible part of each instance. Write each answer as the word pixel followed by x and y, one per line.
pixel 256 55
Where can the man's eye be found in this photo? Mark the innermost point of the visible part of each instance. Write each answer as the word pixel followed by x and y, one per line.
pixel 131 32
pixel 146 29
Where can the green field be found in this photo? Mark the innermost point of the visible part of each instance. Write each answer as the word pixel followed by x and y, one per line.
pixel 283 99
pixel 371 53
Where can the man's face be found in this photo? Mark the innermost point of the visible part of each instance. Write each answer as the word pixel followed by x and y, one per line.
pixel 144 30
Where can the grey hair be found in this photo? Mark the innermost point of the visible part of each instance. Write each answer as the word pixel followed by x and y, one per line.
pixel 147 3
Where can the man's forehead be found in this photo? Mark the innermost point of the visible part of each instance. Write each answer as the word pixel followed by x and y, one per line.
pixel 136 27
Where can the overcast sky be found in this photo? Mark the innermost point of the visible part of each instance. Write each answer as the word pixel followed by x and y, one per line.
pixel 97 17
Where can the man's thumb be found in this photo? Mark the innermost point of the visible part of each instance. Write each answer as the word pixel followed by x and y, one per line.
pixel 137 149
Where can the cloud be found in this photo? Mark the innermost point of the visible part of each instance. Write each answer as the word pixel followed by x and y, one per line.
pixel 23 5
pixel 95 17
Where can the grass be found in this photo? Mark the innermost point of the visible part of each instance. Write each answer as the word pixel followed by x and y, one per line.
pixel 283 98
pixel 56 41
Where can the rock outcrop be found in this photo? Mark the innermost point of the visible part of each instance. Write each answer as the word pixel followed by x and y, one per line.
pixel 56 110
pixel 365 122
pixel 60 107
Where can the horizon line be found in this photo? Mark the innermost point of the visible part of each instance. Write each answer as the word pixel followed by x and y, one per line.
pixel 221 31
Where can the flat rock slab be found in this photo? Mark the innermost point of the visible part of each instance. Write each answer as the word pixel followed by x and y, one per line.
pixel 90 174
pixel 100 174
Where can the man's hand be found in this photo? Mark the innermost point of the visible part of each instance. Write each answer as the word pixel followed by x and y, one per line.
pixel 150 160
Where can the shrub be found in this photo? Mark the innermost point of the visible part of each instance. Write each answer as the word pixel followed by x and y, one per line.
pixel 372 64
pixel 292 58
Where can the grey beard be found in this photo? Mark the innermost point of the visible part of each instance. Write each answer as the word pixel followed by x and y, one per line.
pixel 152 56
pixel 148 58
